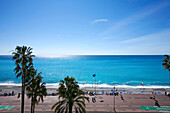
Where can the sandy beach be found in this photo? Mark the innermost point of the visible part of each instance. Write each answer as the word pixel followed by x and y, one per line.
pixel 129 103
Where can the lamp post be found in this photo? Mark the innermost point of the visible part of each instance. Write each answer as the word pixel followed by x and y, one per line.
pixel 114 101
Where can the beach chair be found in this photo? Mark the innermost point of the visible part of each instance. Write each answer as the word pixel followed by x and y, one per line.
pixel 112 92
pixel 2 95
pixel 116 93
pixel 130 92
pixel 13 94
pixel 95 93
pixel 107 93
pixel 102 91
pixel 158 92
pixel 169 94
pixel 49 94
pixel 5 94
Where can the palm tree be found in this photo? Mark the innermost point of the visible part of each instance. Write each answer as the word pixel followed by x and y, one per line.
pixel 23 60
pixel 166 62
pixel 71 97
pixel 36 90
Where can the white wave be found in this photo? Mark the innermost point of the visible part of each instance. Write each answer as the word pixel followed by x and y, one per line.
pixel 100 86
pixel 52 85
pixel 126 86
pixel 10 84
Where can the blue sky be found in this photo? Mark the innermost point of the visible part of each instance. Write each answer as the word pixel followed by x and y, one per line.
pixel 86 27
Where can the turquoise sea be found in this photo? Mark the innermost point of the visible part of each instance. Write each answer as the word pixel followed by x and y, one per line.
pixel 110 70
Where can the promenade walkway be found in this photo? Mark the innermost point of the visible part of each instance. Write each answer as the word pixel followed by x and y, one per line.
pixel 105 103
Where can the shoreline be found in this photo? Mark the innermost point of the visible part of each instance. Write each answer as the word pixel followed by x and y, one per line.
pixel 100 86
pixel 99 90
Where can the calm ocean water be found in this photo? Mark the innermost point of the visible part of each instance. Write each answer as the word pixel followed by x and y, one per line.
pixel 125 70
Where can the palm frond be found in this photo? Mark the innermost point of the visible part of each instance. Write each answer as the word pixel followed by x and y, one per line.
pixel 166 62
pixel 81 107
pixel 76 110
pixel 19 74
pixel 59 106
pixel 69 91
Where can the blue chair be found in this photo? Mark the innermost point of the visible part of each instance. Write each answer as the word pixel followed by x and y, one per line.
pixel 95 93
pixel 112 92
pixel 107 93
pixel 102 91
pixel 158 92
pixel 130 92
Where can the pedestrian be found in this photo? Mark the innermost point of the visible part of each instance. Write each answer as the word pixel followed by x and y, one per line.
pixel 157 104
pixel 18 95
pixel 93 99
pixel 122 97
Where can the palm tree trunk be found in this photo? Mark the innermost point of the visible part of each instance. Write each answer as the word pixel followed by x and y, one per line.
pixel 23 92
pixel 33 107
pixel 32 104
pixel 70 107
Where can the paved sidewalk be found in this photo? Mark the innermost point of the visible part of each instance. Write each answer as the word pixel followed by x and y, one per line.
pixel 131 103
pixel 73 112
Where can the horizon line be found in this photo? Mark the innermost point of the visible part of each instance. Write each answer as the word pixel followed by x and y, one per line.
pixel 56 56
